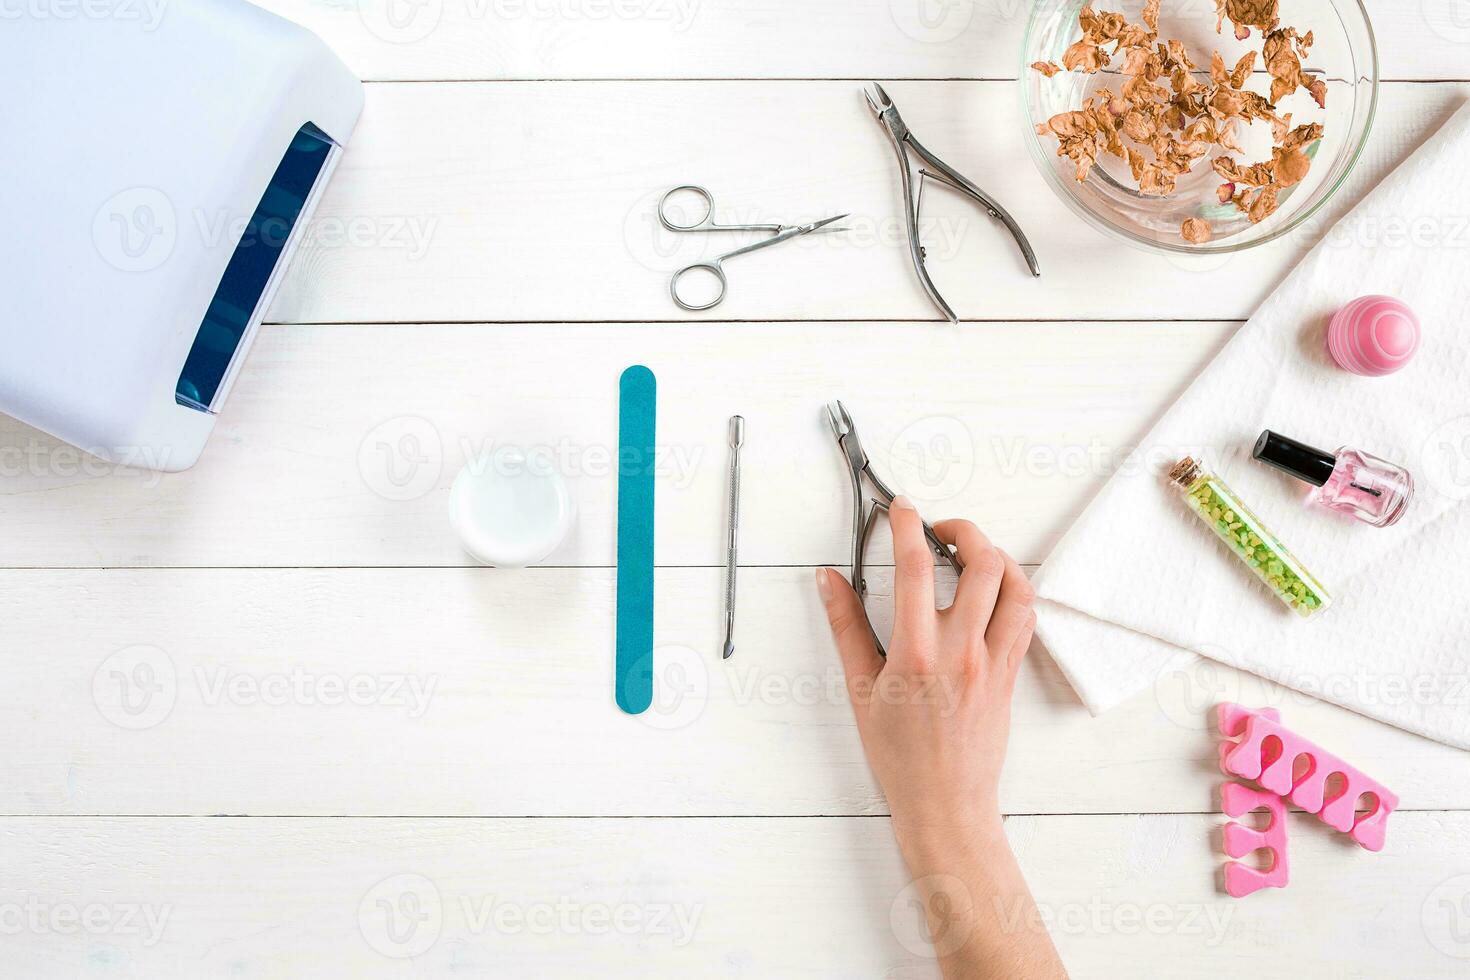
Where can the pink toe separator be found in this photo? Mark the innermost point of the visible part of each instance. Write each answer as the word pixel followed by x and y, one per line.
pixel 1237 800
pixel 1243 758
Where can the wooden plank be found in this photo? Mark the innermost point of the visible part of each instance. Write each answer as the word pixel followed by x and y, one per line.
pixel 339 444
pixel 535 202
pixel 165 898
pixel 484 692
pixel 532 39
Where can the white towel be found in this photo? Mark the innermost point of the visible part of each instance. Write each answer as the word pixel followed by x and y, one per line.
pixel 1139 578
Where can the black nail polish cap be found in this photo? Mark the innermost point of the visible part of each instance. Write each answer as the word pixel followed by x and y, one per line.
pixel 1297 458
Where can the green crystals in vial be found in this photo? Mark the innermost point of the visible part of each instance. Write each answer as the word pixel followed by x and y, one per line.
pixel 1257 547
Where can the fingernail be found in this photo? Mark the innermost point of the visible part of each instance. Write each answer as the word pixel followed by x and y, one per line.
pixel 901 503
pixel 824 587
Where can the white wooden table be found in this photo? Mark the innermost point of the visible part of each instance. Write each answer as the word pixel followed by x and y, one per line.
pixel 263 719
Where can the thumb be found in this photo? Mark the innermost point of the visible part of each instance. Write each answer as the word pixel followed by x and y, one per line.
pixel 860 659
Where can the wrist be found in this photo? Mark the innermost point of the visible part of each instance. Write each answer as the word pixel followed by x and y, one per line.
pixel 938 843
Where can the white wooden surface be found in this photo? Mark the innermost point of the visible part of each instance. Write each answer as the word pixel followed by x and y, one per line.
pixel 288 635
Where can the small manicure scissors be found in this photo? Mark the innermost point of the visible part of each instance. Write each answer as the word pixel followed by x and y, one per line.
pixel 715 266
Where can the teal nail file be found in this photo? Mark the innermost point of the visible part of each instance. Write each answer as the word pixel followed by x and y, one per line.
pixel 637 414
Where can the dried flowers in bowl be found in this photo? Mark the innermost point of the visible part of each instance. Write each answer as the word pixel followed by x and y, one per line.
pixel 1159 125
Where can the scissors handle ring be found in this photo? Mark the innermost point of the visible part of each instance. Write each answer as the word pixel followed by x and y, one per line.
pixel 712 266
pixel 699 223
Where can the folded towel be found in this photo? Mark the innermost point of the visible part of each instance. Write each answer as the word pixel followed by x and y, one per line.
pixel 1139 578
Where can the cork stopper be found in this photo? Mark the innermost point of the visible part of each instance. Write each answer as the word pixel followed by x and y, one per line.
pixel 1185 472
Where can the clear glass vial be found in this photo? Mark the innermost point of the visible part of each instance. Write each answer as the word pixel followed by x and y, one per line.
pixel 1249 540
pixel 1349 481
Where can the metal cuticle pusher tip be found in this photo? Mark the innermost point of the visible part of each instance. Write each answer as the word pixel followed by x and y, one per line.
pixel 737 440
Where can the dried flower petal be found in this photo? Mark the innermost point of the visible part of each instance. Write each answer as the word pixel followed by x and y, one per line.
pixel 1167 117
pixel 1156 182
pixel 1289 166
pixel 1196 231
pixel 1303 135
pixel 1047 68
pixel 1242 70
pixel 1076 134
pixel 1282 63
pixel 1177 56
pixel 1151 15
pixel 1255 175
pixel 1139 61
pixel 1245 14
pixel 1263 206
pixel 1139 126
pixel 1100 28
pixel 1084 57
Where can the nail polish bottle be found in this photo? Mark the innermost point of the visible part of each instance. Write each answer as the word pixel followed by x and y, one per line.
pixel 1349 481
pixel 1248 539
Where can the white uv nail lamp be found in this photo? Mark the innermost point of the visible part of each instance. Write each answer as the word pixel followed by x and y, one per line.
pixel 161 160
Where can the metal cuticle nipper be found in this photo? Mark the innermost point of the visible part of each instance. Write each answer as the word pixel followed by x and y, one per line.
pixel 903 142
pixel 863 518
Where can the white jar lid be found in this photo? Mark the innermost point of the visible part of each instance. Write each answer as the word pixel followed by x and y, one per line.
pixel 510 509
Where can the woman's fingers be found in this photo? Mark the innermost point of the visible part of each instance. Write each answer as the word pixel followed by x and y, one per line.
pixel 1012 608
pixel 980 582
pixel 860 660
pixel 913 581
pixel 1020 645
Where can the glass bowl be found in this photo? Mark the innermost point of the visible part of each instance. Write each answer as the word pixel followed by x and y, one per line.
pixel 1344 55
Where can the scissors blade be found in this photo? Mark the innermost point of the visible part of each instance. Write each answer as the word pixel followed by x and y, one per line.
pixel 815 225
pixel 844 429
pixel 838 418
pixel 793 232
pixel 878 99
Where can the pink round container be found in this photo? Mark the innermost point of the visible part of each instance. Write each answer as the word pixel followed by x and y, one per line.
pixel 1373 335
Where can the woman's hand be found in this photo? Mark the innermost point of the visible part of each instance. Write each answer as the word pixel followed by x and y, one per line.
pixel 934 721
pixel 935 718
